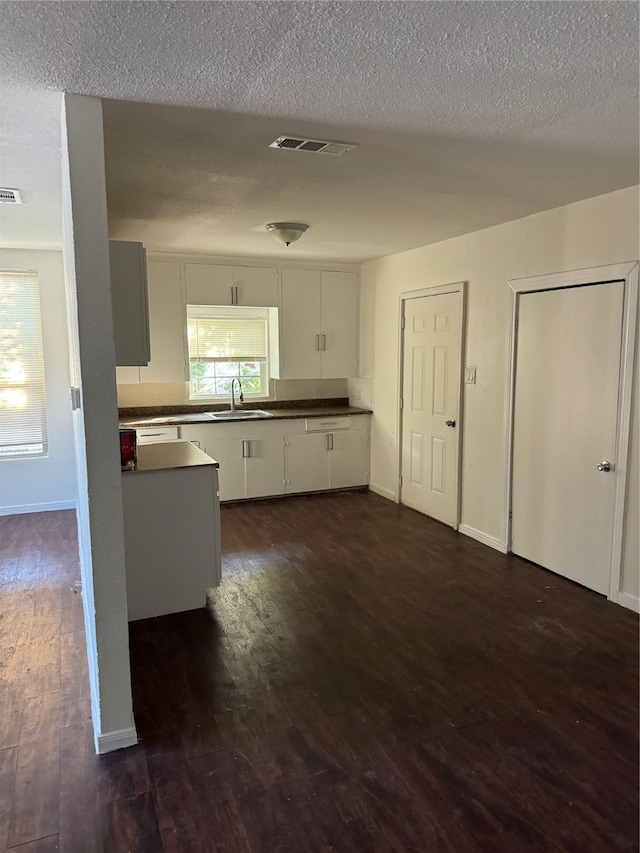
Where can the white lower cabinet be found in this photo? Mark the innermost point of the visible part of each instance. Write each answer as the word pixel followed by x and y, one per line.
pixel 349 458
pixel 265 458
pixel 251 464
pixel 331 459
pixel 306 462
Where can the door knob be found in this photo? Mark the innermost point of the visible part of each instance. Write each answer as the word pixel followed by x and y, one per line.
pixel 451 423
pixel 604 466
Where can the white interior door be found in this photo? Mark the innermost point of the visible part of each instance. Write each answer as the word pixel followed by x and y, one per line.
pixel 431 398
pixel 565 421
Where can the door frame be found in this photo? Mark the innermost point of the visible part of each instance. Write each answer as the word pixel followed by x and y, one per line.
pixel 440 290
pixel 628 273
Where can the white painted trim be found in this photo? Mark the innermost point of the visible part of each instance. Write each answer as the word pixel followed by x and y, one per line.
pixel 273 263
pixel 628 273
pixel 631 602
pixel 440 290
pixel 118 739
pixel 47 507
pixel 384 493
pixel 491 541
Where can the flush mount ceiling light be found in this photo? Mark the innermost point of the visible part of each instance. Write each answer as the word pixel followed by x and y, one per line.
pixel 286 232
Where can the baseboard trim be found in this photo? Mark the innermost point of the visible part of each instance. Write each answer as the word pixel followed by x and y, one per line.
pixel 384 493
pixel 118 739
pixel 496 544
pixel 48 507
pixel 631 602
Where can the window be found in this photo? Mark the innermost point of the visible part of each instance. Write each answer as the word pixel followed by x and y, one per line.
pixel 227 343
pixel 23 418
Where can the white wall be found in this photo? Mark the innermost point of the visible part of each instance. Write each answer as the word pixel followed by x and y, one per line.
pixel 100 519
pixel 48 482
pixel 598 231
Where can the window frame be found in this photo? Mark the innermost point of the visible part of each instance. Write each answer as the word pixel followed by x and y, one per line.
pixel 37 414
pixel 236 312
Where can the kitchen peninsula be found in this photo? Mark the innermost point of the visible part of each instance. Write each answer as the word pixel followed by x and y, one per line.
pixel 172 529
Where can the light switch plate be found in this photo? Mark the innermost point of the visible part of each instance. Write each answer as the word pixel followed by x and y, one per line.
pixel 470 375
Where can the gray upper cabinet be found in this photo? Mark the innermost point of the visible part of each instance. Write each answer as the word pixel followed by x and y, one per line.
pixel 217 284
pixel 129 302
pixel 167 323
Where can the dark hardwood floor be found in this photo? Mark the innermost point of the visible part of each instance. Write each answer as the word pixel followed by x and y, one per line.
pixel 364 680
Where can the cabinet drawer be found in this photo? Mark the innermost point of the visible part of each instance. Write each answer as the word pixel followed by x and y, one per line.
pixel 152 435
pixel 328 424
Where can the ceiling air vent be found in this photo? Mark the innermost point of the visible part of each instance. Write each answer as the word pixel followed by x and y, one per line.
pixel 8 196
pixel 315 146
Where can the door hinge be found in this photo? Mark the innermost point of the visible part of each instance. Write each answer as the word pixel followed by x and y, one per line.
pixel 402 402
pixel 76 400
pixel 400 479
pixel 402 322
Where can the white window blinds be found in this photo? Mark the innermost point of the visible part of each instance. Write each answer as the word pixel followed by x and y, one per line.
pixel 226 338
pixel 23 426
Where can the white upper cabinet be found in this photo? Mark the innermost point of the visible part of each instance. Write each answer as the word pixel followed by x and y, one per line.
pixel 318 326
pixel 339 321
pixel 166 323
pixel 256 286
pixel 300 325
pixel 215 284
pixel 128 266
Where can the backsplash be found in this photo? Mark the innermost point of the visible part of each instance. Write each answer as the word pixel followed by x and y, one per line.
pixel 177 393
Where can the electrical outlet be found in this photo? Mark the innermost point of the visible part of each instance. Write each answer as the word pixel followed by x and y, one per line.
pixel 358 394
pixel 470 375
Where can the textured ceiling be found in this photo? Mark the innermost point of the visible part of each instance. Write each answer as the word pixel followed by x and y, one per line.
pixel 465 114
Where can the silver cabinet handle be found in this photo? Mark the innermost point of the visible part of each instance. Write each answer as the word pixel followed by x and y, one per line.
pixel 231 289
pixel 324 342
pixel 317 343
pixel 604 466
pixel 235 290
pixel 246 449
pixel 450 423
pixel 329 441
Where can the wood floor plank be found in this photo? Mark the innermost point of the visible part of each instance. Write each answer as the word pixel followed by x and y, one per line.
pixel 131 824
pixel 35 806
pixel 8 763
pixel 42 845
pixel 80 827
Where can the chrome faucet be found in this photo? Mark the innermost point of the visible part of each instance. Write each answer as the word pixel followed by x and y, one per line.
pixel 233 399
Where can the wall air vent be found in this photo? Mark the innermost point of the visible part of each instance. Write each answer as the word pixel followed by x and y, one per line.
pixel 8 196
pixel 315 146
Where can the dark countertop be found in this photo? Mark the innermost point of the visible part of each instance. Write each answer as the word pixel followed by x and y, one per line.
pixel 159 418
pixel 170 454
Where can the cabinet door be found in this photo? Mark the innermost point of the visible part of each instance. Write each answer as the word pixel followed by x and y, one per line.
pixel 256 286
pixel 166 325
pixel 127 262
pixel 199 434
pixel 231 474
pixel 209 284
pixel 339 310
pixel 349 459
pixel 306 462
pixel 264 466
pixel 300 325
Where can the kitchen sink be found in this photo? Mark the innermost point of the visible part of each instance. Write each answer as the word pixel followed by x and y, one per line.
pixel 240 415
